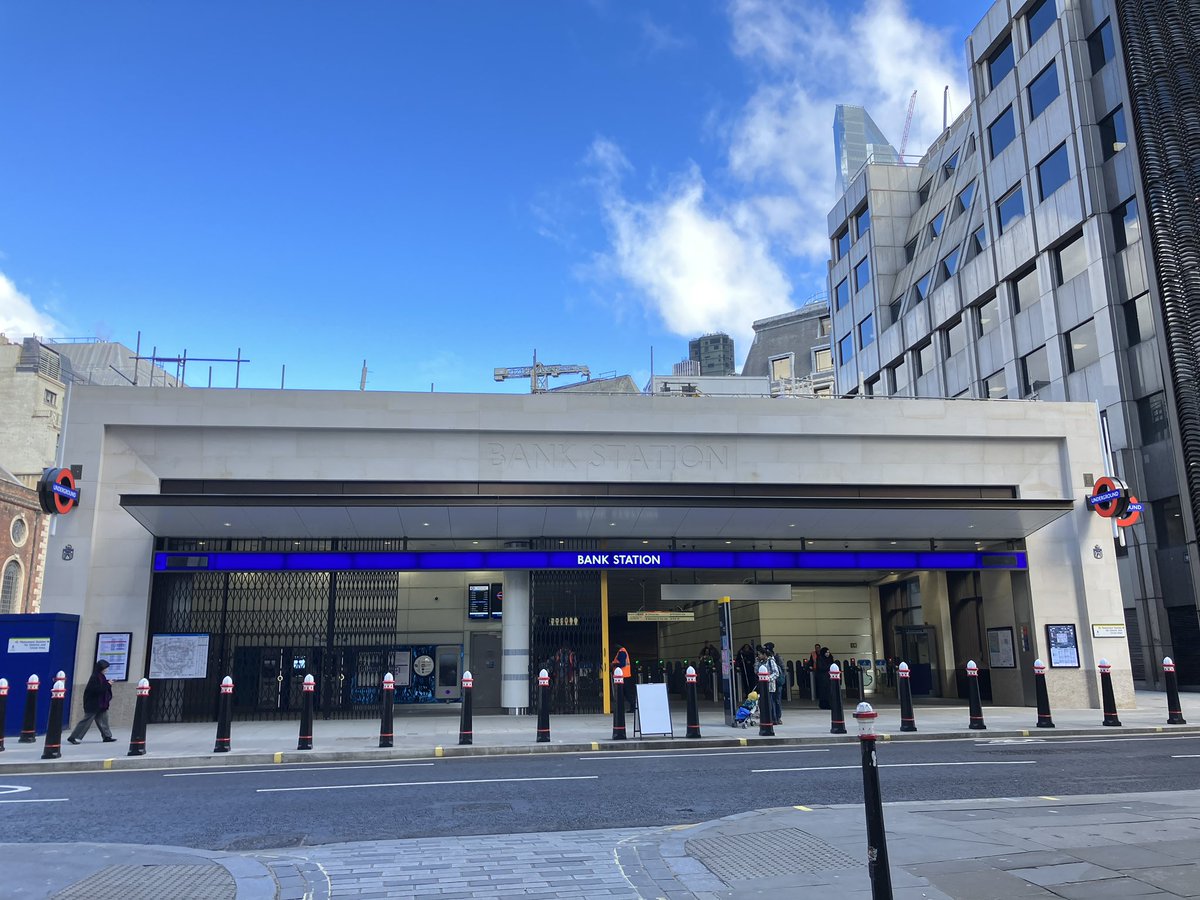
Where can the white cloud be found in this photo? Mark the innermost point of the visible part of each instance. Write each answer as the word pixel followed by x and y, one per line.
pixel 696 266
pixel 705 261
pixel 19 317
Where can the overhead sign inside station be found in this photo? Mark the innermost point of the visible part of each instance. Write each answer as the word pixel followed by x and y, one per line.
pixel 661 615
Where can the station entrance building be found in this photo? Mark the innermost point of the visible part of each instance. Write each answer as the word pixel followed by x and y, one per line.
pixel 269 535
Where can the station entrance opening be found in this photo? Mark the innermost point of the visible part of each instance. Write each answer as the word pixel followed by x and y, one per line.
pixel 268 612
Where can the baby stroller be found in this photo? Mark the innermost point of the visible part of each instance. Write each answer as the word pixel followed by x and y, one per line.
pixel 747 713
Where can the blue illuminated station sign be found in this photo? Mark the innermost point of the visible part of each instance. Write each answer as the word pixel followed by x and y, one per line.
pixel 417 561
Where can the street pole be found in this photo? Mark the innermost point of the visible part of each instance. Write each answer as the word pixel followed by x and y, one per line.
pixel 877 855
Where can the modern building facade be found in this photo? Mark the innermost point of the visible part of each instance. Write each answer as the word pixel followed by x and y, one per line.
pixel 792 350
pixel 1045 248
pixel 269 535
pixel 714 353
pixel 857 139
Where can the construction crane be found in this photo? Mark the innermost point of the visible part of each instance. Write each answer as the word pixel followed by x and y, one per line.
pixel 912 104
pixel 539 373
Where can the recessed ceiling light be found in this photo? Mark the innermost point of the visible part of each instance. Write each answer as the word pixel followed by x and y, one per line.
pixel 474 542
pixel 228 524
pixel 562 542
pixel 199 543
pixel 645 542
pixel 611 524
pixel 793 525
pixel 893 543
pixel 426 524
pixel 295 543
pixel 729 542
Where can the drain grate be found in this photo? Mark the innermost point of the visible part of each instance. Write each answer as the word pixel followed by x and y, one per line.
pixel 211 882
pixel 737 857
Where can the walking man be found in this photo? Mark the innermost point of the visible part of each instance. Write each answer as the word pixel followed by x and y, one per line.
pixel 96 698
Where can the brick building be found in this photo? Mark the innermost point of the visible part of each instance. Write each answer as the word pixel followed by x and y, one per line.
pixel 24 529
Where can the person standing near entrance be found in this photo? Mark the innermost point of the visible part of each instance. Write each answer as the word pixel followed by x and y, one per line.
pixel 625 664
pixel 97 695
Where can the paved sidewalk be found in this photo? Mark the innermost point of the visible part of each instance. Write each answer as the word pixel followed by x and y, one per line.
pixel 427 733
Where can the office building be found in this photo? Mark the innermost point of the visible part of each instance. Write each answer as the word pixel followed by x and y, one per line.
pixel 857 139
pixel 714 353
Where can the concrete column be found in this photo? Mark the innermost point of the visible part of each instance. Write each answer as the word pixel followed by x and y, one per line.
pixel 514 644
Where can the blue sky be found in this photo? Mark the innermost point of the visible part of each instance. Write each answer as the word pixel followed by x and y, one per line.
pixel 438 188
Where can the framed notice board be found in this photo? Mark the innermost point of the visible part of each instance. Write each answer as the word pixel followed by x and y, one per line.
pixel 1063 644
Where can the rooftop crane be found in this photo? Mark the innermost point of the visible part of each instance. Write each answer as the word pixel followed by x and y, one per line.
pixel 539 373
pixel 912 103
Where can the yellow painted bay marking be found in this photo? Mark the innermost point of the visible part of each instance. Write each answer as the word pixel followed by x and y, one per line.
pixel 108 763
pixel 595 745
pixel 1048 798
pixel 344 787
pixel 438 751
pixel 743 742
pixel 279 756
pixel 804 808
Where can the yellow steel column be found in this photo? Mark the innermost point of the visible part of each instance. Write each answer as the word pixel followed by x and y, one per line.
pixel 605 653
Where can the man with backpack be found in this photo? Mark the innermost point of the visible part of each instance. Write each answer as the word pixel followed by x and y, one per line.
pixel 779 679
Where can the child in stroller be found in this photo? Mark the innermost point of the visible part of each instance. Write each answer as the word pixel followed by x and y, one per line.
pixel 747 713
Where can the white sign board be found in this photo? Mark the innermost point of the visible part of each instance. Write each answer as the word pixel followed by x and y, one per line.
pixel 114 647
pixel 653 713
pixel 29 645
pixel 661 615
pixel 179 656
pixel 1108 631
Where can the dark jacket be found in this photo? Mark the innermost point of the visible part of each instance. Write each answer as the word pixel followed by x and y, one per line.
pixel 98 694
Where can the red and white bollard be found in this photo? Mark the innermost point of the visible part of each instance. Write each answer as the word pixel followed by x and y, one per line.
pixel 53 746
pixel 543 723
pixel 306 715
pixel 29 725
pixel 224 716
pixel 877 855
pixel 1106 693
pixel 1174 708
pixel 3 709
pixel 618 704
pixel 137 737
pixel 766 727
pixel 908 719
pixel 465 735
pixel 976 722
pixel 1043 696
pixel 693 713
pixel 837 717
pixel 387 717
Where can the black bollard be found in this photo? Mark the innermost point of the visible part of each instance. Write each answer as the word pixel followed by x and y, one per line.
pixel 1043 696
pixel 465 735
pixel 877 855
pixel 53 746
pixel 908 720
pixel 224 715
pixel 766 726
pixel 387 715
pixel 543 723
pixel 137 737
pixel 837 718
pixel 1174 709
pixel 693 713
pixel 3 709
pixel 975 712
pixel 29 726
pixel 618 704
pixel 861 683
pixel 306 714
pixel 1106 694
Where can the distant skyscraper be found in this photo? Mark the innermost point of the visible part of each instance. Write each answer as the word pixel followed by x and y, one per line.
pixel 686 367
pixel 856 139
pixel 714 352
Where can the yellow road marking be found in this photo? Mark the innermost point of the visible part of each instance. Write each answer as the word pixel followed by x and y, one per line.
pixel 743 742
pixel 1048 798
pixel 595 745
pixel 108 763
pixel 437 751
pixel 279 756
pixel 805 808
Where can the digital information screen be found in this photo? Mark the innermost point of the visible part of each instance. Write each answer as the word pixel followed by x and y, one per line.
pixel 497 600
pixel 478 601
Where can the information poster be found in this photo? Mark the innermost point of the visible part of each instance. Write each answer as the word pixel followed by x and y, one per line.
pixel 402 667
pixel 1001 652
pixel 478 601
pixel 1064 646
pixel 179 656
pixel 114 647
pixel 29 645
pixel 653 713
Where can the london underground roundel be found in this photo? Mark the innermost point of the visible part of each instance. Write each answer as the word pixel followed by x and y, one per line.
pixel 57 491
pixel 1110 498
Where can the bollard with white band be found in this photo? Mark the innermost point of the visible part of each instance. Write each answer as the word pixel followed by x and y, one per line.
pixel 693 712
pixel 543 723
pixel 1174 709
pixel 766 727
pixel 975 713
pixel 837 718
pixel 908 720
pixel 52 749
pixel 465 734
pixel 224 716
pixel 1043 696
pixel 877 855
pixel 29 726
pixel 306 715
pixel 137 735
pixel 1106 693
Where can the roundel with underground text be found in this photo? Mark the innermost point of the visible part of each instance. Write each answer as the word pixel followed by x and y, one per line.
pixel 57 491
pixel 1111 499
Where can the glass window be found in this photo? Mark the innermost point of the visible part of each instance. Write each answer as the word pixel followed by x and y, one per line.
pixel 1152 418
pixel 1025 291
pixel 1000 63
pixel 10 587
pixel 977 241
pixel 1126 226
pixel 965 196
pixel 1100 46
pixel 1042 90
pixel 895 307
pixel 842 241
pixel 1139 319
pixel 925 359
pixel 951 164
pixel 866 332
pixel 50 398
pixel 1035 371
pixel 822 359
pixel 1071 259
pixel 950 263
pixel 923 192
pixel 921 288
pixel 1010 208
pixel 994 387
pixel 970 145
pixel 989 315
pixel 1053 172
pixel 910 250
pixel 871 386
pixel 18 531
pixel 862 275
pixel 956 337
pixel 841 294
pixel 862 222
pixel 899 376
pixel 1083 349
pixel 825 326
pixel 782 367
pixel 1112 133
pixel 1168 522
pixel 938 222
pixel 1001 132
pixel 1039 18
pixel 846 349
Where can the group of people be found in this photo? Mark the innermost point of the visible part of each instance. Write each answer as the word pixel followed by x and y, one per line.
pixel 819 662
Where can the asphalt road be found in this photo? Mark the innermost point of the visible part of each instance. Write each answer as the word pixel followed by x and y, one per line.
pixel 253 808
